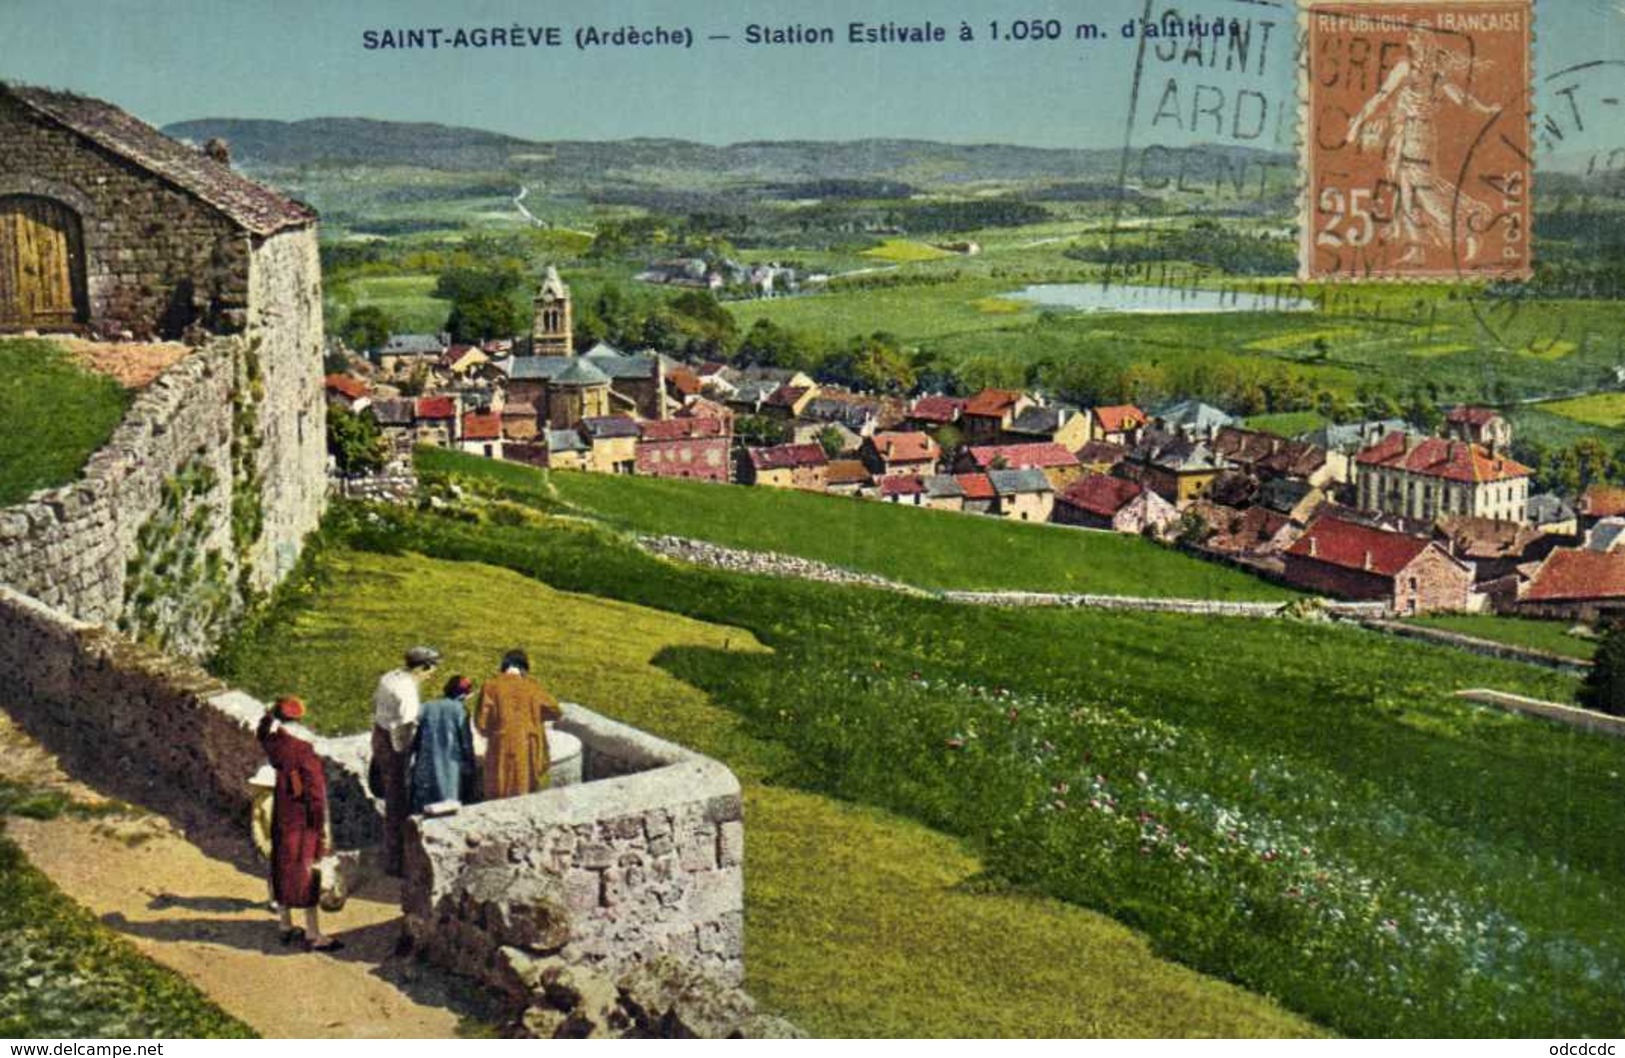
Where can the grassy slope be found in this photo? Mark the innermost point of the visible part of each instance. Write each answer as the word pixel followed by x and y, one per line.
pixel 1550 636
pixel 54 416
pixel 888 942
pixel 931 549
pixel 1488 839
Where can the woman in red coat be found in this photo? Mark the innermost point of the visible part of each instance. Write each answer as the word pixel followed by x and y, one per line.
pixel 298 821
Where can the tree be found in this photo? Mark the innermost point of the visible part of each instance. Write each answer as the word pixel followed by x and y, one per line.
pixel 354 442
pixel 485 316
pixel 366 328
pixel 1604 686
pixel 833 441
pixel 758 430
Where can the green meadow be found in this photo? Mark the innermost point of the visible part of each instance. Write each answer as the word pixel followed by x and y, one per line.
pixel 56 415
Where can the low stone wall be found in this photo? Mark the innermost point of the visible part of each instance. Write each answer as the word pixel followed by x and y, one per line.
pixel 1208 607
pixel 771 563
pixel 1487 647
pixel 1584 719
pixel 642 862
pixel 152 722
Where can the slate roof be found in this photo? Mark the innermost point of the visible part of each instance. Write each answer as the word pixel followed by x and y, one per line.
pixel 608 427
pixel 1193 415
pixel 1571 573
pixel 1100 494
pixel 413 345
pixel 1177 454
pixel 1097 452
pixel 786 396
pixel 577 372
pixel 753 393
pixel 252 206
pixel 602 350
pixel 1437 457
pixel 1351 437
pixel 1283 494
pixel 395 411
pixel 780 457
pixel 618 366
pixel 1340 543
pixel 566 441
pixel 1548 508
pixel 943 486
pixel 906 447
pixel 1604 536
pixel 1013 482
pixel 1041 422
pixel 482 427
pixel 1018 457
pixel 1487 538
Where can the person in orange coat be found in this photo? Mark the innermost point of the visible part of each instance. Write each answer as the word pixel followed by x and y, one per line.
pixel 298 821
pixel 512 709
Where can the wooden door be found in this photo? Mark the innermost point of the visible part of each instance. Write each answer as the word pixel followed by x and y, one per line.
pixel 41 263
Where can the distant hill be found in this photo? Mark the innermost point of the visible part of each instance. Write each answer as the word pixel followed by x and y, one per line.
pixel 271 145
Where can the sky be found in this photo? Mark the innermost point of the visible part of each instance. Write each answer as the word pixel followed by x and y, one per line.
pixel 173 60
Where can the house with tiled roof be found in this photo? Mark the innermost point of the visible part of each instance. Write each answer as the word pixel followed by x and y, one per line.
pixel 931 413
pixel 905 489
pixel 481 434
pixel 566 449
pixel 462 361
pixel 786 466
pixel 1409 574
pixel 1599 502
pixel 1253 532
pixel 689 447
pixel 1099 457
pixel 1191 419
pixel 1023 495
pixel 985 416
pixel 1100 501
pixel 900 453
pixel 1266 455
pixel 1480 426
pixel 1429 478
pixel 1576 584
pixel 1176 468
pixel 1059 465
pixel 977 494
pixel 943 492
pixel 612 442
pixel 346 391
pixel 788 402
pixel 1120 424
pixel 1059 424
pixel 1343 441
pixel 434 420
pixel 1495 548
pixel 847 477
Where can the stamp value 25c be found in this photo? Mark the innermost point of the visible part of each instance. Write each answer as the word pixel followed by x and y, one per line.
pixel 1416 139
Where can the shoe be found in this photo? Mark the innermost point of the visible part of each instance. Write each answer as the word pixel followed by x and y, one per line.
pixel 331 944
pixel 292 936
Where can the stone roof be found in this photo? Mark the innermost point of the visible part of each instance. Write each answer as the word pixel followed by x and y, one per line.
pixel 553 285
pixel 1547 508
pixel 1465 413
pixel 1012 482
pixel 252 206
pixel 565 441
pixel 436 408
pixel 1353 436
pixel 413 345
pixel 943 486
pixel 846 472
pixel 1193 415
pixel 393 411
pixel 579 372
pixel 606 427
pixel 1570 573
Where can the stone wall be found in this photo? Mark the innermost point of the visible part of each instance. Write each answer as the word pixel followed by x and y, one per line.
pixel 642 862
pixel 1583 719
pixel 156 259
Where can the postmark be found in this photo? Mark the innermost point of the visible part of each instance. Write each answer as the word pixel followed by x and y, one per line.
pixel 1416 151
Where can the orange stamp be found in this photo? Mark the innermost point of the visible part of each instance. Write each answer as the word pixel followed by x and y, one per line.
pixel 1417 153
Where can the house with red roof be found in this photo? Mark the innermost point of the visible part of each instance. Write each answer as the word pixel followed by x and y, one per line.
pixel 684 448
pixel 788 402
pixel 977 495
pixel 1120 424
pixel 1099 501
pixel 986 416
pixel 1425 478
pixel 434 421
pixel 1576 584
pixel 900 453
pixel 1410 574
pixel 905 489
pixel 933 413
pixel 1059 465
pixel 346 391
pixel 1599 502
pixel 1480 426
pixel 481 434
pixel 847 477
pixel 788 466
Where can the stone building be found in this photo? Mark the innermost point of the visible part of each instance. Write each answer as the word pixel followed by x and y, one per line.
pixel 552 330
pixel 108 227
pixel 1407 573
pixel 1428 478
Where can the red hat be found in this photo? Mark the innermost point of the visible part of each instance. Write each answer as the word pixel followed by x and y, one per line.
pixel 290 708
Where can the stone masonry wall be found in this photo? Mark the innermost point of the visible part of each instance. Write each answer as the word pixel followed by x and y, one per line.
pixel 84 547
pixel 156 259
pixel 641 862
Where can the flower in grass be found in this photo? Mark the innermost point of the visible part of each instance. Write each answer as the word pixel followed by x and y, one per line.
pixel 1062 786
pixel 954 743
pixel 1013 713
pixel 1269 855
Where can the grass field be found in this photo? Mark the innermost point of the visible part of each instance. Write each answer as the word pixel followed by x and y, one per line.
pixel 1550 636
pixel 1306 810
pixel 404 299
pixel 1288 423
pixel 887 943
pixel 1598 409
pixel 929 549
pixel 64 974
pixel 55 415
pixel 906 250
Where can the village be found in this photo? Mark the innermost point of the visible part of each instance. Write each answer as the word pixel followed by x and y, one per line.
pixel 1377 511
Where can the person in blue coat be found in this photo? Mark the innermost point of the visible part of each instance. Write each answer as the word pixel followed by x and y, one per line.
pixel 443 762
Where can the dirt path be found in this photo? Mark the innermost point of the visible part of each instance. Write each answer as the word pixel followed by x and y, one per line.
pixel 195 902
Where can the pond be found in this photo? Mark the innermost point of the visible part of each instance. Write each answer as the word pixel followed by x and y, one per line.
pixel 1123 297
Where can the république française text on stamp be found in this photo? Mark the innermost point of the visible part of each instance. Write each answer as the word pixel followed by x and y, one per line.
pixel 1416 141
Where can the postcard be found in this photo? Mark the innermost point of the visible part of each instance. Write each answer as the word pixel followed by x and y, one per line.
pixel 858 519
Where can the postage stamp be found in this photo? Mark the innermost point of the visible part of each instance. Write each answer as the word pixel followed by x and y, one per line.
pixel 1417 160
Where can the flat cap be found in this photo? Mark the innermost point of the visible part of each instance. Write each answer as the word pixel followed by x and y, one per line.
pixel 417 657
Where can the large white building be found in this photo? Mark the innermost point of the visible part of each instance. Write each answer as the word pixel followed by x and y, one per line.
pixel 1435 477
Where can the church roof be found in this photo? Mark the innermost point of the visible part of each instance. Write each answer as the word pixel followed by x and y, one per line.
pixel 581 373
pixel 552 285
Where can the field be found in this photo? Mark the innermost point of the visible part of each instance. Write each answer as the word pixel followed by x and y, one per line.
pixel 1550 636
pixel 1302 809
pixel 929 549
pixel 884 945
pixel 1287 423
pixel 404 298
pixel 55 416
pixel 1598 409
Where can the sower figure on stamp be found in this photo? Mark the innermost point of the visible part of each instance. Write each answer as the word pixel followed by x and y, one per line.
pixel 513 709
pixel 1403 118
pixel 395 707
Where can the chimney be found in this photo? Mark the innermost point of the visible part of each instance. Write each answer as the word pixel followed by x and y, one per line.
pixel 1368 559
pixel 1314 546
pixel 218 150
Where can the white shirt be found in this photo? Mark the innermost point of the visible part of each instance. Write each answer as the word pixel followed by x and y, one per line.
pixel 395 707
